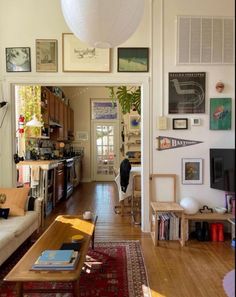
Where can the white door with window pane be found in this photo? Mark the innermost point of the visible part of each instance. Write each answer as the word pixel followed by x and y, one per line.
pixel 105 150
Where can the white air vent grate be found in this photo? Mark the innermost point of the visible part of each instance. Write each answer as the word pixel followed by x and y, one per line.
pixel 205 40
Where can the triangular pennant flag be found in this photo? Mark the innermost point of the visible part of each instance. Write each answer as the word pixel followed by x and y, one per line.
pixel 165 142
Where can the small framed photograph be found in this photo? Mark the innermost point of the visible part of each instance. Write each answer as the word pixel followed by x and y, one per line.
pixel 80 57
pixel 180 124
pixel 46 55
pixel 18 59
pixel 192 171
pixel 135 59
pixel 134 122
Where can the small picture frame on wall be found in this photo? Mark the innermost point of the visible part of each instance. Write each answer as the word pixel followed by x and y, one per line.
pixel 192 171
pixel 180 124
pixel 220 113
pixel 134 122
pixel 18 59
pixel 46 55
pixel 135 59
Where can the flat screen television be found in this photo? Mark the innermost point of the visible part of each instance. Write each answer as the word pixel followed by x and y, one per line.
pixel 222 169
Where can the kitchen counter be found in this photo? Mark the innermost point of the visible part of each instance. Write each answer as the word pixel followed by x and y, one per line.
pixel 44 164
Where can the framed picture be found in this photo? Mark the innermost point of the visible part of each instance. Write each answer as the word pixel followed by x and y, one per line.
pixel 82 136
pixel 192 171
pixel 80 57
pixel 180 124
pixel 187 92
pixel 228 202
pixel 134 122
pixel 195 121
pixel 104 110
pixel 220 113
pixel 18 59
pixel 46 55
pixel 135 59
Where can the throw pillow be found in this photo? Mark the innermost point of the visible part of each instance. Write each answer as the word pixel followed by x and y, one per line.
pixel 4 212
pixel 16 200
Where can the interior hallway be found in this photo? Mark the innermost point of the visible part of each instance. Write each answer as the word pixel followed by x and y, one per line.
pixel 196 270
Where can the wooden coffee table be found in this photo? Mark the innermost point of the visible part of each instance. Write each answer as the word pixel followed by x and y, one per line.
pixel 60 231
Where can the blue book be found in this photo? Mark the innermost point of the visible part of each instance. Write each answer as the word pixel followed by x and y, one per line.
pixel 55 257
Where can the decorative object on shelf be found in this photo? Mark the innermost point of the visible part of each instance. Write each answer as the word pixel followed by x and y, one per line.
pixel 129 98
pixel 229 199
pixel 195 121
pixel 166 142
pixel 220 113
pixel 80 57
pixel 190 205
pixel 205 209
pixel 180 124
pixel 220 86
pixel 103 24
pixel 18 59
pixel 46 55
pixel 135 59
pixel 220 209
pixel 134 122
pixel 187 92
pixel 192 171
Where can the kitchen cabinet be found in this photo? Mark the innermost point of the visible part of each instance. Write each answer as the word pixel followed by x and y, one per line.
pixel 51 107
pixel 56 108
pixel 70 122
pixel 65 119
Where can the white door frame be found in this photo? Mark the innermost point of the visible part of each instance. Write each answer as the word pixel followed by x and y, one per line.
pixel 6 159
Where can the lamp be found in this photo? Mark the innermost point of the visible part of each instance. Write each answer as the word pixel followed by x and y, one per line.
pixel 102 23
pixel 2 104
pixel 34 122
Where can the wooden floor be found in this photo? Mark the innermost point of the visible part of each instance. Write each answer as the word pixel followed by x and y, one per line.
pixel 196 270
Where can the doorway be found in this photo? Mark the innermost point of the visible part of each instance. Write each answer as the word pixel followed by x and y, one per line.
pixel 104 150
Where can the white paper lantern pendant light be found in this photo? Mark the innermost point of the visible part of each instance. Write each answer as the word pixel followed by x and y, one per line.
pixel 103 23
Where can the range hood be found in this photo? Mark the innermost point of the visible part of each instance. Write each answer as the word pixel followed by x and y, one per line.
pixel 54 124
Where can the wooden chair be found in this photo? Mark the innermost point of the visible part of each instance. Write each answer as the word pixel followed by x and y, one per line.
pixel 136 200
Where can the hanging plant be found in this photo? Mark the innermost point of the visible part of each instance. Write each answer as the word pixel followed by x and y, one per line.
pixel 129 98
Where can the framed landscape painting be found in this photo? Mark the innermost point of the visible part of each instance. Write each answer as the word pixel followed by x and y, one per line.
pixel 80 57
pixel 220 113
pixel 134 59
pixel 18 59
pixel 46 55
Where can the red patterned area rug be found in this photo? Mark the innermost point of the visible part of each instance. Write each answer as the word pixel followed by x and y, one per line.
pixel 112 269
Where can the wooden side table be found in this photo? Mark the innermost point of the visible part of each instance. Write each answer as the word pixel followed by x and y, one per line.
pixel 158 207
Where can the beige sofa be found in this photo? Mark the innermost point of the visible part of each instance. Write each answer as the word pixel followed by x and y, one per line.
pixel 17 228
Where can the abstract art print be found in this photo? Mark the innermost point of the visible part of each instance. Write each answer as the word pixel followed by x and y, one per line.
pixel 187 92
pixel 132 59
pixel 18 59
pixel 80 57
pixel 134 122
pixel 220 113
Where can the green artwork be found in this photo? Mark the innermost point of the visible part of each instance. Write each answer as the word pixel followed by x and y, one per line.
pixel 220 113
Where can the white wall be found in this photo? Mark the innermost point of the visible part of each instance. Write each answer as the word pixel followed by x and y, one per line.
pixel 22 22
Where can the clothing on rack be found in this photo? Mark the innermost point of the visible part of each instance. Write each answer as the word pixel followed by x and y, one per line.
pixel 34 176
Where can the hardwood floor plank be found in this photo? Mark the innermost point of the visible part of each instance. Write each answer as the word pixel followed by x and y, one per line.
pixel 196 270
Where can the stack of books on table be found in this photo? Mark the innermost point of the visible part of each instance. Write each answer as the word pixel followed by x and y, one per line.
pixel 57 260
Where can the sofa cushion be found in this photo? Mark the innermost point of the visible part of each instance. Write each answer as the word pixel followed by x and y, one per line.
pixel 4 212
pixel 18 224
pixel 16 200
pixel 5 237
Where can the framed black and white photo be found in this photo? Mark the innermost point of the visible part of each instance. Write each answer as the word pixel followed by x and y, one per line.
pixel 192 173
pixel 187 92
pixel 180 124
pixel 46 55
pixel 18 59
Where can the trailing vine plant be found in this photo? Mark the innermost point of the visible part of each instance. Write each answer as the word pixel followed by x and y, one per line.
pixel 129 98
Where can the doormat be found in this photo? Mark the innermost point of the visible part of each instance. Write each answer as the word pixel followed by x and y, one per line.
pixel 112 269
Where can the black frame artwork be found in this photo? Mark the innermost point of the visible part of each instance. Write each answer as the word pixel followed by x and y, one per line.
pixel 187 92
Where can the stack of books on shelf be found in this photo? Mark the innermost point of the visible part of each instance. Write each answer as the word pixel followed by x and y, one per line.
pixel 57 260
pixel 168 226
